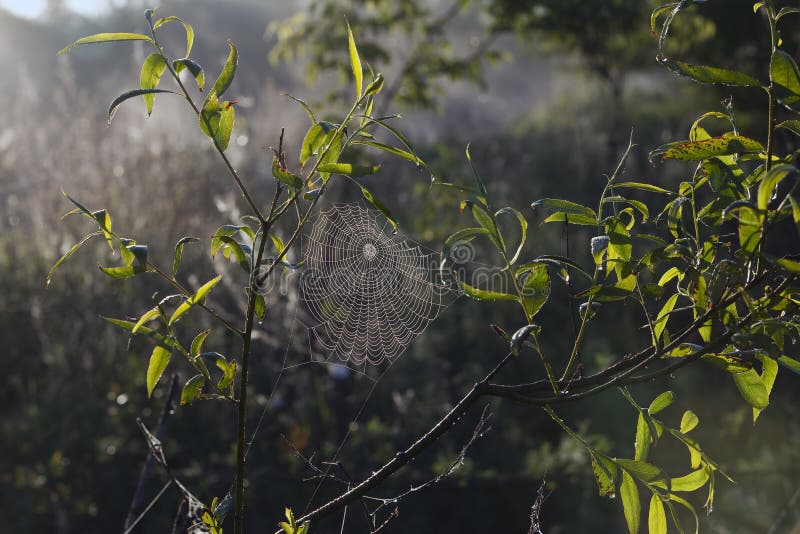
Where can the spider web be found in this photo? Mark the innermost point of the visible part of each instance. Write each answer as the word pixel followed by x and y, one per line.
pixel 370 291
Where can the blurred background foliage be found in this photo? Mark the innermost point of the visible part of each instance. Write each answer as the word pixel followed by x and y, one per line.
pixel 546 91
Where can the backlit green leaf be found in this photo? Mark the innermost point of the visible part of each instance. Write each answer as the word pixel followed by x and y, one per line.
pixel 605 473
pixel 656 517
pixel 198 296
pixel 714 75
pixel 372 199
pixel 691 482
pixel 176 262
pixel 785 78
pixel 768 375
pixel 688 421
pixel 192 389
pixel 107 37
pixel 707 148
pixel 193 67
pixel 158 362
pixel 629 496
pixel 188 28
pixel 482 294
pixel 355 61
pixel 661 402
pixel 228 71
pixel 131 94
pixel 535 290
pixel 348 169
pixel 152 69
pixel 565 206
pixel 752 388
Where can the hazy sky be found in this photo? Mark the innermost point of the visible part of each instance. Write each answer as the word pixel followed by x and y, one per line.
pixel 32 8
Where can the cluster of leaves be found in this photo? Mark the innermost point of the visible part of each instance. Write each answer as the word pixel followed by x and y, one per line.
pixel 711 273
pixel 321 156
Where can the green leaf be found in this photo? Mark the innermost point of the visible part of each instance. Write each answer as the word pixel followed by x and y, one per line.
pixel 378 204
pixel 523 226
pixel 355 61
pixel 791 125
pixel 131 94
pixel 283 175
pixel 198 296
pixel 188 28
pixel 714 75
pixel 233 247
pixel 688 421
pixel 260 307
pixel 688 506
pixel 305 107
pixel 789 265
pixel 535 290
pixel 644 439
pixel 752 388
pixel 629 495
pixel 314 139
pixel 147 316
pixel 391 150
pixel 152 69
pixel 605 472
pixel 348 169
pixel 67 254
pixel 176 262
pixel 158 362
pixel 663 316
pixel 691 482
pixel 565 206
pixel 228 372
pixel 192 389
pixel 228 71
pixel 656 518
pixel 107 37
pixel 375 87
pixel 713 146
pixel 481 294
pixel 661 402
pixel 485 220
pixel 193 67
pixel 786 11
pixel 750 228
pixel 643 187
pixel 768 375
pixel 123 272
pixel 785 77
pixel 197 342
pixel 646 472
pixel 790 363
pixel 216 120
pixel 770 181
pixel 483 195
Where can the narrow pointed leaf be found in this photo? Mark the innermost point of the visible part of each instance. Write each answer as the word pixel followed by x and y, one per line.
pixel 656 517
pixel 713 75
pixel 631 507
pixel 132 94
pixel 228 71
pixel 152 69
pixel 355 61
pixel 105 38
pixel 192 389
pixel 785 76
pixel 158 362
pixel 187 27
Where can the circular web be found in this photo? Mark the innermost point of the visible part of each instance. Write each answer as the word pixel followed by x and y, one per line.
pixel 370 291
